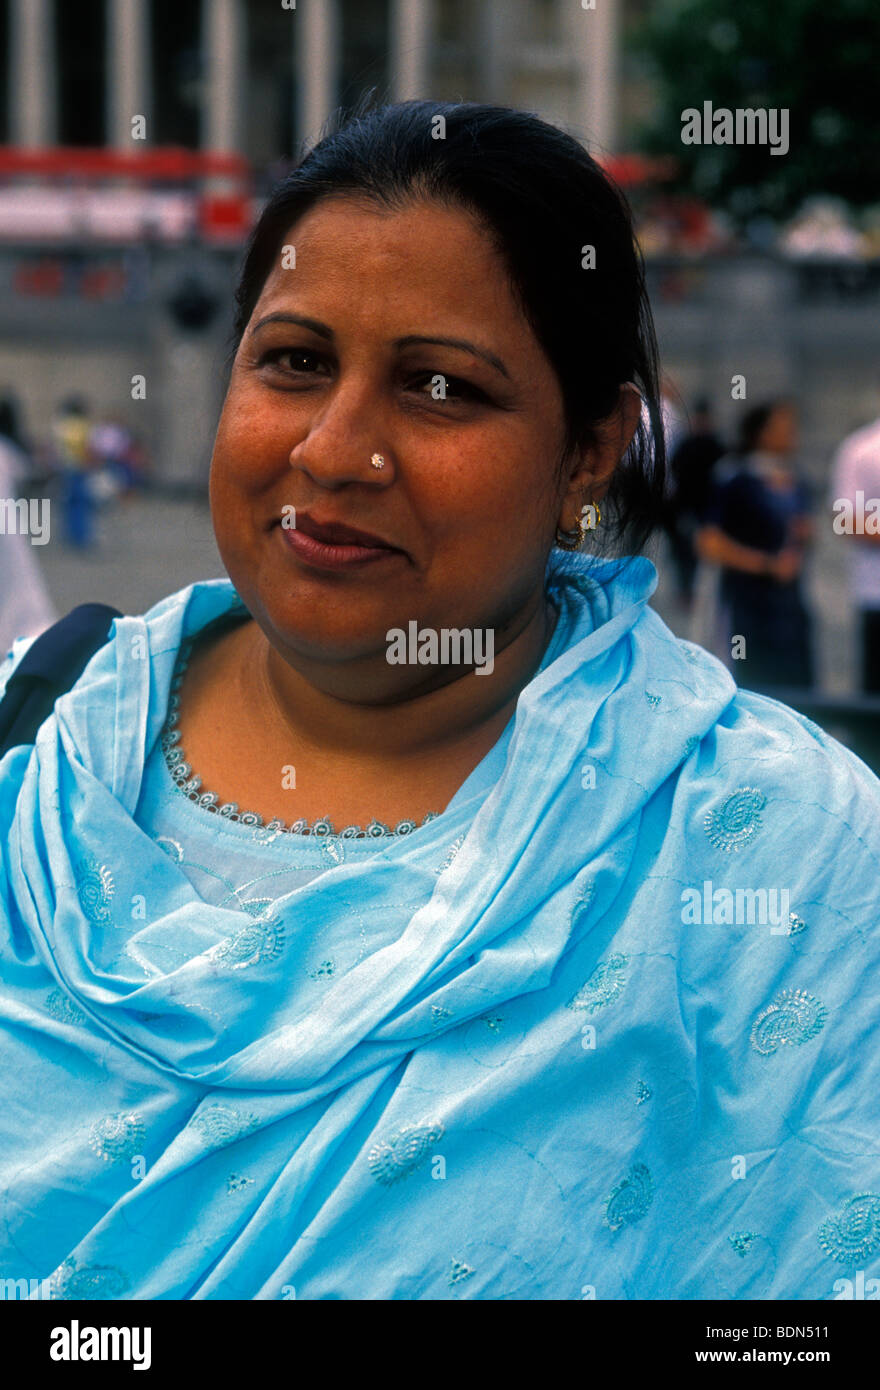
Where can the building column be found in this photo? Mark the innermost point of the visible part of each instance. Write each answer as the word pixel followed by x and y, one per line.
pixel 493 25
pixel 317 31
pixel 128 70
pixel 32 86
pixel 595 35
pixel 223 42
pixel 411 28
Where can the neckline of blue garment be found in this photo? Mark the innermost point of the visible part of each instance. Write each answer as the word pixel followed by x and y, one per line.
pixel 189 784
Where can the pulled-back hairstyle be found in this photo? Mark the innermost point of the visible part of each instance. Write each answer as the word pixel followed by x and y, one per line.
pixel 543 201
pixel 753 422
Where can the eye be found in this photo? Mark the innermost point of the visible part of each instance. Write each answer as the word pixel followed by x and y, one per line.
pixel 301 360
pixel 439 386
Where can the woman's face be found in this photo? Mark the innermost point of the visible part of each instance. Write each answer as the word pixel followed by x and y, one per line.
pixel 341 361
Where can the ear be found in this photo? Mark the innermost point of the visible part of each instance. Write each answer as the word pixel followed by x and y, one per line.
pixel 592 469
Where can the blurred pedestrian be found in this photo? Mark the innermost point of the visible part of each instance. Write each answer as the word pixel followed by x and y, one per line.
pixel 691 468
pixel 25 606
pixel 118 457
pixel 757 529
pixel 856 468
pixel 71 434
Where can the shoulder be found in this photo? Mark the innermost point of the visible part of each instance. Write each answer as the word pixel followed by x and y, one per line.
pixel 819 796
pixel 859 444
pixel 730 477
pixel 11 659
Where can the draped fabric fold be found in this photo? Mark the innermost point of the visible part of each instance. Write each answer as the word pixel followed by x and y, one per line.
pixel 537 1084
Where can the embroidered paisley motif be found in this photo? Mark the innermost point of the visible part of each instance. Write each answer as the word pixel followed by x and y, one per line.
pixel 737 820
pixel 604 985
pixel 90 1282
pixel 62 1008
pixel 402 1152
pixel 629 1199
pixel 792 1018
pixel 117 1137
pixel 221 1124
pixel 260 941
pixel 854 1233
pixel 94 888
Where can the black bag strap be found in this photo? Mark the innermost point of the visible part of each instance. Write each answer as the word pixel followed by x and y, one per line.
pixel 51 665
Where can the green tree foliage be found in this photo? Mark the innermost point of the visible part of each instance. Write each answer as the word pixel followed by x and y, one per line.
pixel 818 58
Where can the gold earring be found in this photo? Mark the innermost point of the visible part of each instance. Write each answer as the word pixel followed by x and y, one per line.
pixel 377 461
pixel 573 540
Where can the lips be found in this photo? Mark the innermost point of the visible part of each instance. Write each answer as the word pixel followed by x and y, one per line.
pixel 337 533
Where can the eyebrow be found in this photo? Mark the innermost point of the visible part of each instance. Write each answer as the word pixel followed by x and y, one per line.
pixel 411 340
pixel 414 339
pixel 314 324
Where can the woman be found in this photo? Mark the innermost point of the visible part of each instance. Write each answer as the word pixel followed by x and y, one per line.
pixel 430 1018
pixel 25 605
pixel 757 529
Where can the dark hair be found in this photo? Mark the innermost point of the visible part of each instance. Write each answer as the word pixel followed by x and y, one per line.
pixel 754 420
pixel 10 427
pixel 543 200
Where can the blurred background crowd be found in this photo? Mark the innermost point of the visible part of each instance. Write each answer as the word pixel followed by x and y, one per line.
pixel 139 137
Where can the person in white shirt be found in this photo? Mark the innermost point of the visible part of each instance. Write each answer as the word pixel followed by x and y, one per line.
pixel 25 606
pixel 856 468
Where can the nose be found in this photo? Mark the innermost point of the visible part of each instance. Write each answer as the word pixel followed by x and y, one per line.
pixel 345 440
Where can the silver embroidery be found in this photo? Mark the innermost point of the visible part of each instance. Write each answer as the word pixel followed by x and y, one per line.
pixel 737 820
pixel 190 785
pixel 62 1008
pixel 89 1282
pixel 630 1198
pixel 258 942
pixel 237 1183
pixel 94 888
pixel 742 1241
pixel 451 853
pixel 458 1272
pixel 791 1019
pixel 117 1137
pixel 854 1233
pixel 604 985
pixel 323 971
pixel 402 1152
pixel 222 1124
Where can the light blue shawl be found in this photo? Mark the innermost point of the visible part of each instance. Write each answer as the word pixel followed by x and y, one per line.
pixel 554 1082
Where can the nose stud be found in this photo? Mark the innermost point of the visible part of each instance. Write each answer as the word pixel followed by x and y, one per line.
pixel 377 461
